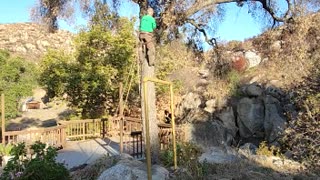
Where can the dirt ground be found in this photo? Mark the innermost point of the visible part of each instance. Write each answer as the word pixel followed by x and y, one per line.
pixel 46 116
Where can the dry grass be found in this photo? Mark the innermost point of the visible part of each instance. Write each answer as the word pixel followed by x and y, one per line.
pixel 92 171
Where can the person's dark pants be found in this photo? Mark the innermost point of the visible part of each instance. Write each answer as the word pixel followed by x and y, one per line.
pixel 147 39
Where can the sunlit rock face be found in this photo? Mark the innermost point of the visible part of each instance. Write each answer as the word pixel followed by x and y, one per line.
pixel 31 40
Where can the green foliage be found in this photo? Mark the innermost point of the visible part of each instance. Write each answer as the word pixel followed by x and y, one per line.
pixel 265 150
pixel 40 165
pixel 91 77
pixel 5 149
pixel 17 79
pixel 187 157
pixel 233 79
pixel 55 69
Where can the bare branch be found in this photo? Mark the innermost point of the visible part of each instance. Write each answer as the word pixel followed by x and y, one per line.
pixel 204 4
pixel 212 41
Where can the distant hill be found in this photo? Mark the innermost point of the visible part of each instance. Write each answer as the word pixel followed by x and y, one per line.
pixel 31 40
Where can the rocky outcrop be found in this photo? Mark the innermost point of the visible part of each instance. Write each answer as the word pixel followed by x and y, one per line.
pixel 220 155
pixel 250 117
pixel 256 115
pixel 32 40
pixel 130 169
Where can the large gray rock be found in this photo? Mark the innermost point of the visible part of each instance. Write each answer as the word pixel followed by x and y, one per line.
pixel 250 117
pixel 133 170
pixel 229 121
pixel 247 149
pixel 252 90
pixel 212 133
pixel 274 122
pixel 220 155
pixel 274 91
pixel 252 58
pixel 189 101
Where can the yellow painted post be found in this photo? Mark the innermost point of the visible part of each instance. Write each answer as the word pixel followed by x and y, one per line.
pixel 145 80
pixel 173 128
pixel 2 119
pixel 148 153
pixel 121 109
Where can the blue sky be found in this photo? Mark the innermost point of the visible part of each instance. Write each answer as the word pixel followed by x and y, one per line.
pixel 237 25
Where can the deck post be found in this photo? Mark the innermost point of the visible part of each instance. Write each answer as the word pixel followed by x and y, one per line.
pixel 121 109
pixel 3 120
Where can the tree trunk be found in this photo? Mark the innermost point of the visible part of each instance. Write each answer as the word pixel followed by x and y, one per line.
pixel 148 71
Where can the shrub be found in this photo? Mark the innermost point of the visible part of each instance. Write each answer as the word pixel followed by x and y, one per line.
pixel 265 150
pixel 17 79
pixel 303 135
pixel 91 77
pixel 40 165
pixel 187 157
pixel 5 149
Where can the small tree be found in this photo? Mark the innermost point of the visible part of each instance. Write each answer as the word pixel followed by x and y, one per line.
pixel 17 79
pixel 90 79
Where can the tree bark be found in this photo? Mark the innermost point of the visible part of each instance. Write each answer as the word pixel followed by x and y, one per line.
pixel 148 71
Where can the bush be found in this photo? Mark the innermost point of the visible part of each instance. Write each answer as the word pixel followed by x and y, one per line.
pixel 187 157
pixel 303 135
pixel 91 77
pixel 17 79
pixel 5 149
pixel 268 151
pixel 40 165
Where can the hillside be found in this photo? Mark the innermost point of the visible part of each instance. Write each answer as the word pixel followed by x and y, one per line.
pixel 31 40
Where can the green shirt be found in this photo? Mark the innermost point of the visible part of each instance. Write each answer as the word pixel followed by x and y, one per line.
pixel 147 24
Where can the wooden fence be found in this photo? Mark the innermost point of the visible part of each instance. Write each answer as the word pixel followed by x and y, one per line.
pixel 165 135
pixel 84 129
pixel 133 142
pixel 54 136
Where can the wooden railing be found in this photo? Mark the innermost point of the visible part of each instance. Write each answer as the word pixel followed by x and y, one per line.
pixel 165 135
pixel 129 125
pixel 91 128
pixel 54 136
pixel 83 129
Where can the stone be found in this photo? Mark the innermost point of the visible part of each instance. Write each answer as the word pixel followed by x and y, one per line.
pixel 250 117
pixel 30 46
pixel 203 82
pixel 228 120
pixel 210 105
pixel 252 58
pixel 212 133
pixel 20 49
pixel 274 91
pixel 239 63
pixel 204 73
pixel 189 101
pixel 127 169
pixel 219 155
pixel 276 46
pixel 274 122
pixel 252 90
pixel 248 149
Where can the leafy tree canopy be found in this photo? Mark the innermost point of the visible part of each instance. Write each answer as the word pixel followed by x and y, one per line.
pixel 17 79
pixel 90 77
pixel 197 18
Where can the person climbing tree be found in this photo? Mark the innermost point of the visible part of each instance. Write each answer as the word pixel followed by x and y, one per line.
pixel 147 26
